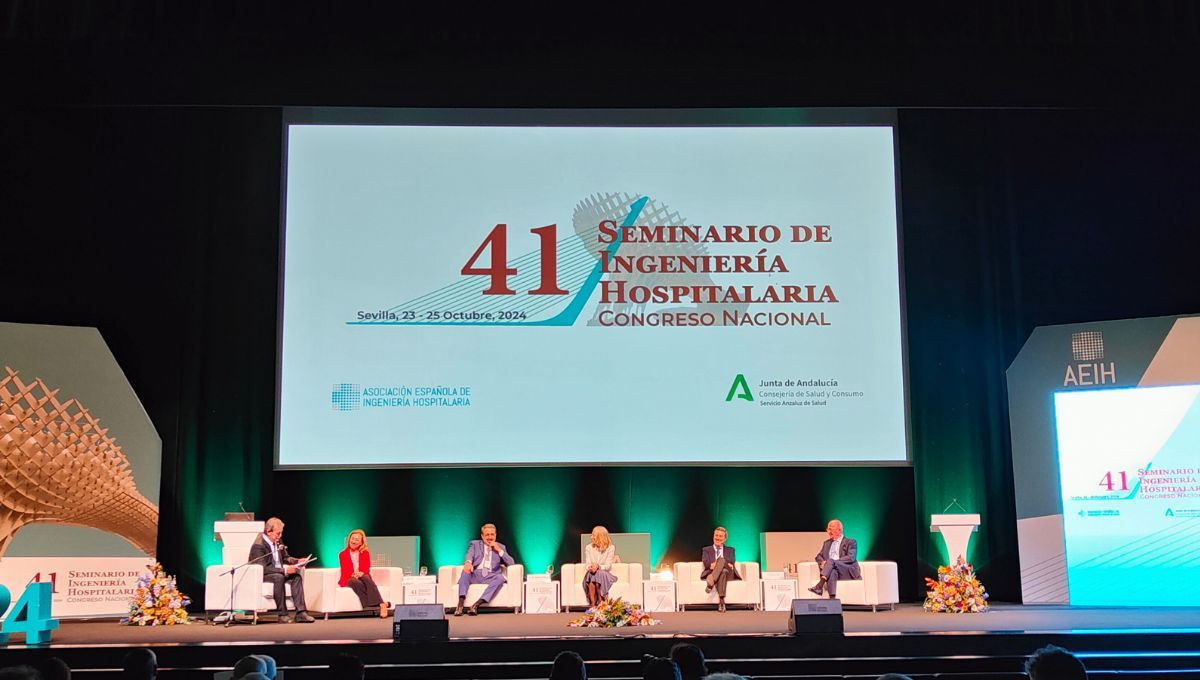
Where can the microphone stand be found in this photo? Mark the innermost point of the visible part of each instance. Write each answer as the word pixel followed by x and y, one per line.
pixel 233 587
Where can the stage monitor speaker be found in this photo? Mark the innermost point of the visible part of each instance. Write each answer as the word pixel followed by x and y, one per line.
pixel 420 622
pixel 816 616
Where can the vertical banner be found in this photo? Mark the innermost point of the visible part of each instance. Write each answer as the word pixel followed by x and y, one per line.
pixel 1106 462
pixel 1128 460
pixel 80 470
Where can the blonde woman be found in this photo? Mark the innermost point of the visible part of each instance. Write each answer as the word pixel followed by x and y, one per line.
pixel 598 559
pixel 355 562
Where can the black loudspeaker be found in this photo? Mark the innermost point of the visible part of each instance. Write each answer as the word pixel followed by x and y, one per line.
pixel 816 616
pixel 420 622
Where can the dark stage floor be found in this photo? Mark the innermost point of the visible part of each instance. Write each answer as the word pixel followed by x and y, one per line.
pixel 905 619
pixel 505 646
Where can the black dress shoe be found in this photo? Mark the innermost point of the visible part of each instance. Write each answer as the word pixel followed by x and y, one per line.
pixel 721 607
pixel 817 589
pixel 458 610
pixel 303 617
pixel 474 610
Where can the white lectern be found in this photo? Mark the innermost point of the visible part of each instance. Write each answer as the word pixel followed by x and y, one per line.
pixel 236 538
pixel 956 531
pixel 233 585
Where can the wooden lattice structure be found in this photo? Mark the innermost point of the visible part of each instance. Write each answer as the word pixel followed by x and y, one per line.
pixel 57 465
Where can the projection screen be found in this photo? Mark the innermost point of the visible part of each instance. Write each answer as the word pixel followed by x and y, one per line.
pixel 599 287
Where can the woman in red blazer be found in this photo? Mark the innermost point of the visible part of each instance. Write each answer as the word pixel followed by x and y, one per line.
pixel 355 561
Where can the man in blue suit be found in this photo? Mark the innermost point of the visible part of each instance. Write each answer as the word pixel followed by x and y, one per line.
pixel 485 562
pixel 719 565
pixel 838 559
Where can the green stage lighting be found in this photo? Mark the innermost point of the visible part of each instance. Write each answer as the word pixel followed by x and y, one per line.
pixel 449 507
pixel 860 498
pixel 541 499
pixel 650 500
pixel 339 501
pixel 738 500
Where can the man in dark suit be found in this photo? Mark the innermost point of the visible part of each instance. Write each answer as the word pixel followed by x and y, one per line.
pixel 838 559
pixel 280 570
pixel 719 566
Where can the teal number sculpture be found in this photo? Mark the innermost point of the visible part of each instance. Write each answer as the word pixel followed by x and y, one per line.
pixel 31 614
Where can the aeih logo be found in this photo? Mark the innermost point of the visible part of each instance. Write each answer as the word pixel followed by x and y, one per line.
pixel 1087 348
pixel 346 397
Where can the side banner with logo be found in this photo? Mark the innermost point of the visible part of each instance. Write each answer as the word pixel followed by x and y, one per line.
pixel 93 586
pixel 79 507
pixel 1105 426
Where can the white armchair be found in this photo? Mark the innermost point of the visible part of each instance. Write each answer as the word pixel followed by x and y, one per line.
pixel 323 593
pixel 249 592
pixel 628 586
pixel 509 595
pixel 879 584
pixel 691 586
pixel 240 592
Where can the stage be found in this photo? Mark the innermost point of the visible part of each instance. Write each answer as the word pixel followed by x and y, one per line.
pixel 503 645
pixel 906 619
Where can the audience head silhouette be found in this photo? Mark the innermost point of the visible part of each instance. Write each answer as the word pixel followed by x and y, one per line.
pixel 247 665
pixel 20 673
pixel 1054 663
pixel 140 664
pixel 269 662
pixel 54 668
pixel 690 660
pixel 346 667
pixel 568 665
pixel 659 668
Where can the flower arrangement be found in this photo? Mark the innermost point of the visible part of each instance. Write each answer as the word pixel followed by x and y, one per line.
pixel 614 613
pixel 956 590
pixel 157 600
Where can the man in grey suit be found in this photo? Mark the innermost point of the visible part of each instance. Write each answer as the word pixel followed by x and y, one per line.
pixel 483 564
pixel 837 560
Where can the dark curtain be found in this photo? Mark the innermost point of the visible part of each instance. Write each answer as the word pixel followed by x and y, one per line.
pixel 159 227
pixel 1017 219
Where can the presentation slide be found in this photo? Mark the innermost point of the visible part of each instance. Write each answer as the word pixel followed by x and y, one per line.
pixel 1128 461
pixel 524 295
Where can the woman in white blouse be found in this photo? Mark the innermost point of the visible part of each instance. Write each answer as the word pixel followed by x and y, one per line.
pixel 598 559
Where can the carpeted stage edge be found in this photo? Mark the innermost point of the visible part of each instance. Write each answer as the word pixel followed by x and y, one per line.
pixel 526 643
pixel 498 625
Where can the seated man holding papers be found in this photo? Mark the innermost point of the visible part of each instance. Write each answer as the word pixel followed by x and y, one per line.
pixel 280 570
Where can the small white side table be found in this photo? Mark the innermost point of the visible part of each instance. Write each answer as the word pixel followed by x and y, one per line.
pixel 542 597
pixel 420 589
pixel 659 596
pixel 777 594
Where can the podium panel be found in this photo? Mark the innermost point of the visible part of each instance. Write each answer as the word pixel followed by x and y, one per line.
pixel 236 539
pixel 956 530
